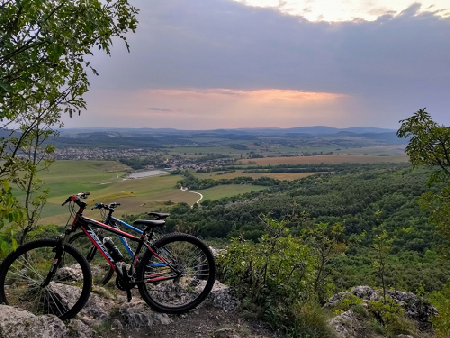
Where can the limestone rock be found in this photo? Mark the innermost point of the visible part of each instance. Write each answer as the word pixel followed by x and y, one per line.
pixel 23 324
pixel 78 329
pixel 222 297
pixel 138 314
pixel 347 325
pixel 365 292
pixel 217 252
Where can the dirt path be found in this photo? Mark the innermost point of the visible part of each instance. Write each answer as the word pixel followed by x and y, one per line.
pixel 208 322
pixel 195 192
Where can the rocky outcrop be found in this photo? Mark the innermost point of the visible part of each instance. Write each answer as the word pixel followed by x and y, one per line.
pixel 349 325
pixel 222 297
pixel 102 307
pixel 137 314
pixel 23 324
pixel 415 307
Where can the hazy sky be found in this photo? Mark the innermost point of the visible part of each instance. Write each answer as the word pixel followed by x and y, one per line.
pixel 203 64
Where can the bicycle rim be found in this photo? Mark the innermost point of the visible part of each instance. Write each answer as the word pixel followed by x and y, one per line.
pixel 179 276
pixel 22 276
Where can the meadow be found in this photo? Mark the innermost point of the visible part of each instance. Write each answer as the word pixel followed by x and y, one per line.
pixel 105 180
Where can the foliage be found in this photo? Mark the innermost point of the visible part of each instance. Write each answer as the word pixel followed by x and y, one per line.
pixel 386 310
pixel 327 242
pixel 44 44
pixel 43 73
pixel 429 142
pixel 277 275
pixel 350 301
pixel 352 198
pixel 429 145
pixel 441 323
pixel 280 266
pixel 381 250
pixel 10 211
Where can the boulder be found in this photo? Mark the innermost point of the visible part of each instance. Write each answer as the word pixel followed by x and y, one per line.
pixel 365 292
pixel 23 324
pixel 221 297
pixel 138 314
pixel 347 325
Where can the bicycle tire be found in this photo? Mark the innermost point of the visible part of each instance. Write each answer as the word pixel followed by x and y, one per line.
pixel 84 245
pixel 23 271
pixel 186 256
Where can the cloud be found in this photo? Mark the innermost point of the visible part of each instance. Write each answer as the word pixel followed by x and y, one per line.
pixel 160 109
pixel 387 68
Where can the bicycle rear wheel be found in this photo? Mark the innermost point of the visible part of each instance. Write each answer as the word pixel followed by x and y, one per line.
pixel 178 276
pixel 101 270
pixel 38 279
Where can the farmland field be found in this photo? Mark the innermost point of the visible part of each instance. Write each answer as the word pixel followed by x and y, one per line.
pixel 239 173
pixel 327 159
pixel 104 179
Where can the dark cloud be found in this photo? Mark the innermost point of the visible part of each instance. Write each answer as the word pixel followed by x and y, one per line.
pixel 395 65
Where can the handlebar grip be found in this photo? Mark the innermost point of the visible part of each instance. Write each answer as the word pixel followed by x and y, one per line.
pixel 67 200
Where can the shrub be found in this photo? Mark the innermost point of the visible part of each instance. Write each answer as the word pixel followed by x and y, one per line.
pixel 277 275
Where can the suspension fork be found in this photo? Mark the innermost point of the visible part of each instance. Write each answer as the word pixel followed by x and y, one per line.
pixel 59 252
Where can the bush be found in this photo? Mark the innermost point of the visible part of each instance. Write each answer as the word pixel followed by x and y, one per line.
pixel 277 276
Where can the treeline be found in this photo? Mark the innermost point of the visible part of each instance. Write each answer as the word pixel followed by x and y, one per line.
pixel 366 199
pixel 194 183
pixel 141 162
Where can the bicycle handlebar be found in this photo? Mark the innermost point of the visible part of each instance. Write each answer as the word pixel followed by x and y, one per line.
pixel 76 198
pixel 110 206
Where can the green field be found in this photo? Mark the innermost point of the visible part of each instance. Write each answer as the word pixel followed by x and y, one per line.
pixel 228 190
pixel 105 180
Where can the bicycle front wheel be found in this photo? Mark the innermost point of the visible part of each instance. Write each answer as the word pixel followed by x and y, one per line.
pixel 178 275
pixel 38 279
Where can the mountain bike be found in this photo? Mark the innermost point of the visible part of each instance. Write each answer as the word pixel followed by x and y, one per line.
pixel 49 276
pixel 89 251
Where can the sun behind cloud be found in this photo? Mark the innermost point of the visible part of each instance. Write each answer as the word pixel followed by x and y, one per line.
pixel 334 11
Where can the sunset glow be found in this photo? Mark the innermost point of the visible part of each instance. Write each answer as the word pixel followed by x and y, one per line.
pixel 214 107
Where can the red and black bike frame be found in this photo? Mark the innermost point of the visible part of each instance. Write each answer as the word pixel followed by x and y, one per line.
pixel 85 224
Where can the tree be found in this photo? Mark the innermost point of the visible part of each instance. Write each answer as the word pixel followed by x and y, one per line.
pixel 43 73
pixel 43 48
pixel 326 241
pixel 429 144
pixel 381 250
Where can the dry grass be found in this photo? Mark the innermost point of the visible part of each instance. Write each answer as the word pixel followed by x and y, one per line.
pixel 327 159
pixel 277 176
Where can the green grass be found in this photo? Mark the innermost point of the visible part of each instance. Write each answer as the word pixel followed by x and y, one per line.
pixel 228 190
pixel 104 179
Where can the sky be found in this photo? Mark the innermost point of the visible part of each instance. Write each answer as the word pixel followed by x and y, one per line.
pixel 207 64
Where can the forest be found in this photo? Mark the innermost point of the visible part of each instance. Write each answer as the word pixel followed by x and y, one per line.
pixel 365 199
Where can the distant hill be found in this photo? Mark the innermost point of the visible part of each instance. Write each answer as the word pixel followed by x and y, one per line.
pixel 316 130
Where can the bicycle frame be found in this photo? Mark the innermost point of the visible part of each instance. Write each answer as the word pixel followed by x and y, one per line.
pixel 123 239
pixel 85 224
